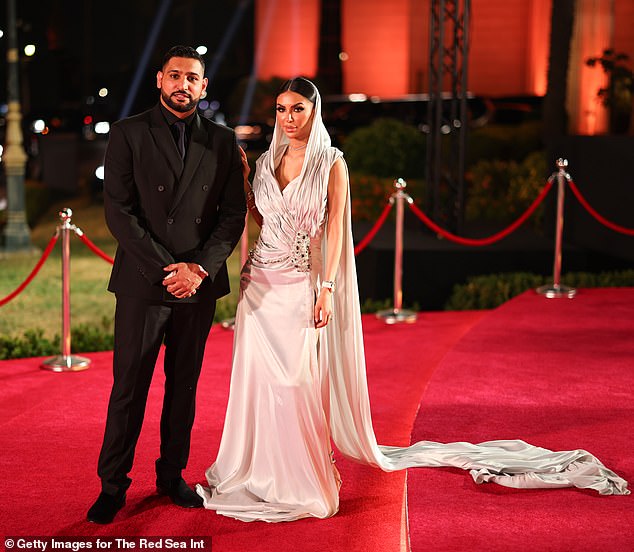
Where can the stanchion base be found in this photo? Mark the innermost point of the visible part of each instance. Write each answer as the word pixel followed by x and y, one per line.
pixel 228 323
pixel 397 316
pixel 554 291
pixel 62 363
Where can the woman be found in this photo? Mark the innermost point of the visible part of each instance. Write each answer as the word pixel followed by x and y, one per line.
pixel 298 376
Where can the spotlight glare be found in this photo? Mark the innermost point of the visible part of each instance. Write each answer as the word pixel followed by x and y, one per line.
pixel 29 49
pixel 357 97
pixel 99 172
pixel 102 127
pixel 38 125
pixel 103 92
pixel 202 50
pixel 343 56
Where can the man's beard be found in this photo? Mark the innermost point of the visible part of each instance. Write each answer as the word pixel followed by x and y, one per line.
pixel 180 107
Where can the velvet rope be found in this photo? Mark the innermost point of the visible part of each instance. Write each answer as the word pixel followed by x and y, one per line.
pixel 370 235
pixel 93 247
pixel 597 216
pixel 34 272
pixel 479 242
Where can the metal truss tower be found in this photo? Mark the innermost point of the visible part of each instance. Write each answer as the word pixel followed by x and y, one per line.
pixel 447 116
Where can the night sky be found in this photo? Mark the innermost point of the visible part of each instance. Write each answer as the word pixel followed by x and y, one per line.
pixel 84 45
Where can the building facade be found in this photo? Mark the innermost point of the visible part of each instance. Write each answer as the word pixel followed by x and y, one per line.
pixel 385 47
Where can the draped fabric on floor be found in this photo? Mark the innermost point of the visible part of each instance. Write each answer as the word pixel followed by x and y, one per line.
pixel 561 373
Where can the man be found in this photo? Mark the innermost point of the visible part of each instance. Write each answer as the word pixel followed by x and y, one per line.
pixel 174 200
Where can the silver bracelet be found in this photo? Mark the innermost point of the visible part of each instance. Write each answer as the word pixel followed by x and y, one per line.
pixel 329 285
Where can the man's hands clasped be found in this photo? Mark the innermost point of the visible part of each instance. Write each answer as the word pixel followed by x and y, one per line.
pixel 183 279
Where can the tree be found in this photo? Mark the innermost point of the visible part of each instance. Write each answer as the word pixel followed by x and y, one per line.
pixel 618 95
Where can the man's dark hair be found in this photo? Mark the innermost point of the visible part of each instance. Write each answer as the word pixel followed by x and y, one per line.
pixel 183 52
pixel 302 86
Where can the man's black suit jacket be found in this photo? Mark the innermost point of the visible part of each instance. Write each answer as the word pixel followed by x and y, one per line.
pixel 162 210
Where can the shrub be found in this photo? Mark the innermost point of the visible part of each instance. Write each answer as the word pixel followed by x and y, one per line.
pixel 502 190
pixel 490 291
pixel 509 143
pixel 89 338
pixel 32 344
pixel 85 338
pixel 370 194
pixel 371 306
pixel 386 148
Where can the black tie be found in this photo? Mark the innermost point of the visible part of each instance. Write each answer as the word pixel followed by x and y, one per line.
pixel 180 137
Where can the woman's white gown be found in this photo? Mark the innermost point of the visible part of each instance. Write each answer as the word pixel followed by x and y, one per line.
pixel 295 388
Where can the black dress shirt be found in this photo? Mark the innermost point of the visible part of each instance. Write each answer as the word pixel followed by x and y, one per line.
pixel 171 119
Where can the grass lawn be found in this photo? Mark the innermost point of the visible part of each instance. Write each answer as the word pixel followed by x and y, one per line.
pixel 39 305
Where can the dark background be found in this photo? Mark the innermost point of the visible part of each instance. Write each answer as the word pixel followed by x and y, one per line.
pixel 84 45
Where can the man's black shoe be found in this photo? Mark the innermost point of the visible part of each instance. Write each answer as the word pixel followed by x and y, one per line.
pixel 179 492
pixel 106 507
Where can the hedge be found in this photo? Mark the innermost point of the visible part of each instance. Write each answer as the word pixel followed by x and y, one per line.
pixel 490 291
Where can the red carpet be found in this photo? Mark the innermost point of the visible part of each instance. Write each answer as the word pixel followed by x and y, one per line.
pixel 51 427
pixel 555 373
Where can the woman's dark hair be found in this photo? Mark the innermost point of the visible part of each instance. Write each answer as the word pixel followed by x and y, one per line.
pixel 300 85
pixel 183 52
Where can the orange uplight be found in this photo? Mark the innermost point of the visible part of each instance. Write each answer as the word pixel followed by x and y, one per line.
pixel 539 43
pixel 287 38
pixel 592 34
pixel 592 117
pixel 376 38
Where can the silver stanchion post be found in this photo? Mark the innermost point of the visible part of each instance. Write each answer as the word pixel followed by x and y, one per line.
pixel 66 362
pixel 556 289
pixel 397 314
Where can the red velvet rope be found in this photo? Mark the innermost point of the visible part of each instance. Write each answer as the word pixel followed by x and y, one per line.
pixel 491 239
pixel 94 248
pixel 35 270
pixel 602 220
pixel 370 235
